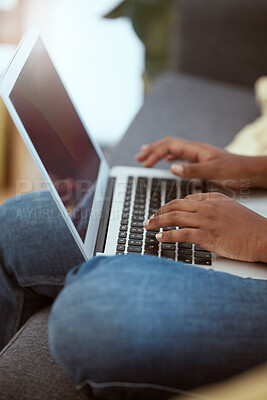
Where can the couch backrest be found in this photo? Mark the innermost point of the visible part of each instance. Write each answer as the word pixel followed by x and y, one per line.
pixel 222 39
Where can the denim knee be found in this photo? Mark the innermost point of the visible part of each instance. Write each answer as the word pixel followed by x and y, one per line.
pixel 105 324
pixel 86 322
pixel 76 321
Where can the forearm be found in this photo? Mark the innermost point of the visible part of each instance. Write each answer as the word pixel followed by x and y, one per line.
pixel 256 171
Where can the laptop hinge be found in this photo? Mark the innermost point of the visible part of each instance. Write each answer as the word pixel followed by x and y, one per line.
pixel 105 217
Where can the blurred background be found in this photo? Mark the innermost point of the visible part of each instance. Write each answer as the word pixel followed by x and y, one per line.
pixel 108 52
pixel 102 61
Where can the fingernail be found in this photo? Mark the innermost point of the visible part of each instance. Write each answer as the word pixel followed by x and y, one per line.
pixel 178 169
pixel 145 146
pixel 146 223
pixel 152 216
pixel 159 236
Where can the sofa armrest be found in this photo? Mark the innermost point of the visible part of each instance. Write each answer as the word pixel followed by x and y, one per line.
pixel 27 369
pixel 186 106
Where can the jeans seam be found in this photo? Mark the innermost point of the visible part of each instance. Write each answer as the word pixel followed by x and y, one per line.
pixel 135 385
pixel 41 281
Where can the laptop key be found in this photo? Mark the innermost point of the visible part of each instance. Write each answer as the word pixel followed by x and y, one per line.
pixel 171 183
pixel 123 235
pixel 142 179
pixel 135 229
pixel 185 245
pixel 136 236
pixel 202 254
pixel 138 218
pixel 155 200
pixel 133 242
pixel 138 212
pixel 120 247
pixel 203 261
pixel 134 249
pixel 185 188
pixel 140 201
pixel 185 259
pixel 150 234
pixel 121 241
pixel 139 206
pixel 123 228
pixel 168 254
pixel 140 196
pixel 124 222
pixel 187 252
pixel 151 253
pixel 151 247
pixel 154 204
pixel 168 246
pixel 169 228
pixel 150 240
pixel 152 211
pixel 137 224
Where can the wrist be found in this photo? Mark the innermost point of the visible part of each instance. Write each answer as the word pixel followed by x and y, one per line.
pixel 256 171
pixel 261 247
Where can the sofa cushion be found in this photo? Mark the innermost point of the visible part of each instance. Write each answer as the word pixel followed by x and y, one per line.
pixel 185 106
pixel 28 371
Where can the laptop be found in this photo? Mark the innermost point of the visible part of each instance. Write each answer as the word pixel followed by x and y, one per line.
pixel 104 208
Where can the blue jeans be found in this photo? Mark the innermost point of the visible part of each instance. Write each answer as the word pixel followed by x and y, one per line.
pixel 36 252
pixel 126 327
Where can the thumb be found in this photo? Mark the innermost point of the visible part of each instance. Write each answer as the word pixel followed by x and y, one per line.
pixel 203 170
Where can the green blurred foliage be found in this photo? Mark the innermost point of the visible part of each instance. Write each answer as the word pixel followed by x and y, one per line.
pixel 152 21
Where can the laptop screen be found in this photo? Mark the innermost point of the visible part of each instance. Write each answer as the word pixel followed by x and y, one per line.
pixel 57 134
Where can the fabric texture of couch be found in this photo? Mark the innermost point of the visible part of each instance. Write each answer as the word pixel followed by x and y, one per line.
pixel 222 39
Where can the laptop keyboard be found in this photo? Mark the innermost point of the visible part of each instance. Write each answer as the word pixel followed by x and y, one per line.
pixel 144 196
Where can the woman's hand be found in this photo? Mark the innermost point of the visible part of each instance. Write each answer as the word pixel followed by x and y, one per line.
pixel 206 162
pixel 216 223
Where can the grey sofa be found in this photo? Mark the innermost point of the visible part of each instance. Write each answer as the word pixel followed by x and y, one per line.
pixel 220 51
